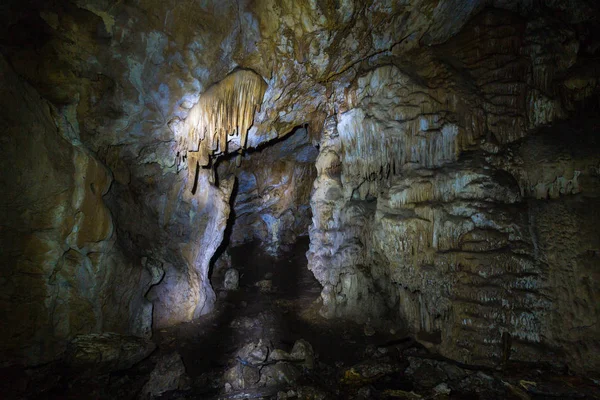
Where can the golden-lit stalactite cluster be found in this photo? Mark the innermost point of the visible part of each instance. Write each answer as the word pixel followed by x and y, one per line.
pixel 225 110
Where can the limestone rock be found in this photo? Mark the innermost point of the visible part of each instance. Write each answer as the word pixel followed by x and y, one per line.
pixel 107 352
pixel 245 373
pixel 420 206
pixel 168 374
pixel 264 285
pixel 303 351
pixel 272 193
pixel 438 199
pixel 257 366
pixel 185 292
pixel 232 279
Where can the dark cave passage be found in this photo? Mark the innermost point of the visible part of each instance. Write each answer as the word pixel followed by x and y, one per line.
pixel 276 305
pixel 270 201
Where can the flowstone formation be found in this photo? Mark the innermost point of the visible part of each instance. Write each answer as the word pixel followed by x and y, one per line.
pixel 226 109
pixel 433 203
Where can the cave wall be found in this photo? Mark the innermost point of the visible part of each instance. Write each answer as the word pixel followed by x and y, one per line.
pixel 101 230
pixel 62 272
pixel 271 202
pixel 122 80
pixel 440 201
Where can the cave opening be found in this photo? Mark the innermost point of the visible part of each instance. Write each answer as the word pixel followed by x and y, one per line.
pixel 270 209
pixel 271 199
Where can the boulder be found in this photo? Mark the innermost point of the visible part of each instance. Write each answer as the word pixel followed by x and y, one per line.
pixel 168 374
pixel 106 352
pixel 257 366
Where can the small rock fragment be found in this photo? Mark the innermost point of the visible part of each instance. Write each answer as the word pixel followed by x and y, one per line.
pixel 401 394
pixel 232 279
pixel 303 350
pixel 264 285
pixel 442 388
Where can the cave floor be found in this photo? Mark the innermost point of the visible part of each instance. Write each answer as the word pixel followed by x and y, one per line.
pixel 249 348
pixel 277 303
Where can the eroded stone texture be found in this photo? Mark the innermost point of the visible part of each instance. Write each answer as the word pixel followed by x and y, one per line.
pixel 427 202
pixel 63 273
pixel 185 291
pixel 272 193
pixel 425 176
pixel 258 366
pixel 107 352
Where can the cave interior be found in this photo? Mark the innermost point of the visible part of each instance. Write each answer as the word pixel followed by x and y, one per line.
pixel 299 199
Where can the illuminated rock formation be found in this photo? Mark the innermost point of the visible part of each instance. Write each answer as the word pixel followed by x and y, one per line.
pixel 226 109
pixel 425 209
pixel 455 188
pixel 219 122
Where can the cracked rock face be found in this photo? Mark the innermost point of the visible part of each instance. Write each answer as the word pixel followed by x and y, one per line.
pixel 63 272
pixel 430 203
pixel 447 196
pixel 271 200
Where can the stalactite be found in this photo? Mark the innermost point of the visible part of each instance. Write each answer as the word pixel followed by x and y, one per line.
pixel 373 150
pixel 224 110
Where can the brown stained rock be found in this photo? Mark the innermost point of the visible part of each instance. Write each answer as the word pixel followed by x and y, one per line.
pixel 368 372
pixel 93 219
pixel 303 351
pixel 62 269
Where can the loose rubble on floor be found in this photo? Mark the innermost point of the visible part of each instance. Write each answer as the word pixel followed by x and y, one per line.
pixel 267 341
